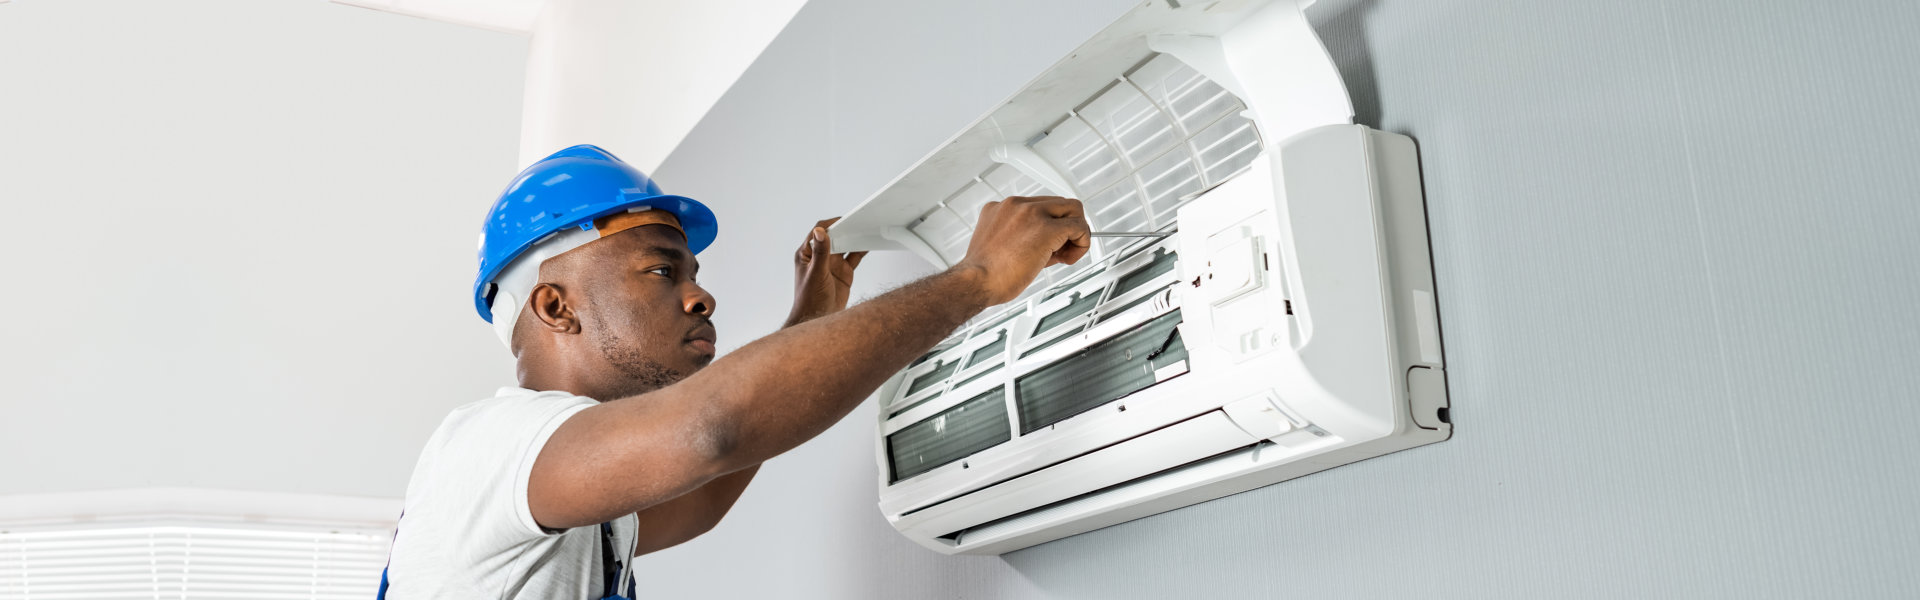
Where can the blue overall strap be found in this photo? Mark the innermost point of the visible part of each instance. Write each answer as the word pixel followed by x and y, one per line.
pixel 609 565
pixel 389 565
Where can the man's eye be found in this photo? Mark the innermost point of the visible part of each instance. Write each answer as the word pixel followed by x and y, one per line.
pixel 663 271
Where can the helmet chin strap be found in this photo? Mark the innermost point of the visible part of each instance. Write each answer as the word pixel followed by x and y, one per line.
pixel 514 285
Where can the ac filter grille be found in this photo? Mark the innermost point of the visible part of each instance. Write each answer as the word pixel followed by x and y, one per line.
pixel 976 376
pixel 939 373
pixel 1079 305
pixel 1163 263
pixel 988 351
pixel 1133 152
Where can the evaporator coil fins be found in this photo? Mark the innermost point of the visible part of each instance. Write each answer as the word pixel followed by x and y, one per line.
pixel 1101 373
pixel 969 427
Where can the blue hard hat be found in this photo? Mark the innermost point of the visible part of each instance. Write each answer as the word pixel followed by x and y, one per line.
pixel 571 188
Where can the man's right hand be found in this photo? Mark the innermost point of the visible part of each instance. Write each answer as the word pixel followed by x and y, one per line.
pixel 1016 238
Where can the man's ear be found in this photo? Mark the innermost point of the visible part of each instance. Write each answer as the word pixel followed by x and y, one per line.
pixel 551 311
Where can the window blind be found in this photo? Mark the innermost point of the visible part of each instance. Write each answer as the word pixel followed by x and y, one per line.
pixel 191 562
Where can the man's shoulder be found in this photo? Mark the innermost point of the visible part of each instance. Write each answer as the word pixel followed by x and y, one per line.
pixel 516 398
pixel 513 408
pixel 491 438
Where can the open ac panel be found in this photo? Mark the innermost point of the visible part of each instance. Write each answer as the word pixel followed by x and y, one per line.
pixel 1285 324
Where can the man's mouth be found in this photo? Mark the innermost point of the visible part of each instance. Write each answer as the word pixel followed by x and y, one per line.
pixel 702 338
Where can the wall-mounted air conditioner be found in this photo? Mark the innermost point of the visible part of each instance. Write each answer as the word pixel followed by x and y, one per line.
pixel 1285 324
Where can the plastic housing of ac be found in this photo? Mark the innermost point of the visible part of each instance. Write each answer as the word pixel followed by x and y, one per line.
pixel 1304 284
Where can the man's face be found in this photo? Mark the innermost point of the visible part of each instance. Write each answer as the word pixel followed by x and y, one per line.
pixel 641 307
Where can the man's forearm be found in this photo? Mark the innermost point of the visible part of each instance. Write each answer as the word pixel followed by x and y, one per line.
pixel 675 521
pixel 781 390
pixel 714 498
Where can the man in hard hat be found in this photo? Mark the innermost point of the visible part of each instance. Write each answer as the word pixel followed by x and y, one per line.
pixel 621 439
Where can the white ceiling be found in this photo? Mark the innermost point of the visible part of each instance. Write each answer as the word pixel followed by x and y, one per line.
pixel 633 76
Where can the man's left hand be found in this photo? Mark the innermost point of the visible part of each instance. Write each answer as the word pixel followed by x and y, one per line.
pixel 821 280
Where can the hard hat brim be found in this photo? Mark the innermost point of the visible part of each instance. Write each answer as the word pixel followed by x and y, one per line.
pixel 696 220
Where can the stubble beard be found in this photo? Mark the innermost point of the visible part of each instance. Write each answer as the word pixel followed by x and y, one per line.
pixel 639 373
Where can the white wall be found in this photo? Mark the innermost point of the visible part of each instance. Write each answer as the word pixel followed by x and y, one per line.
pixel 240 240
pixel 635 76
pixel 1674 244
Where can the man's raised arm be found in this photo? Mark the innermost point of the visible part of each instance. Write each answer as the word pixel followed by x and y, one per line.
pixel 821 282
pixel 779 391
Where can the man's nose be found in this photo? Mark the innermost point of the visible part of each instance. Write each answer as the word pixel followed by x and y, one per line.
pixel 697 301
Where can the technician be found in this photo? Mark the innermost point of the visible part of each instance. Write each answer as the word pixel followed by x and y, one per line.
pixel 621 439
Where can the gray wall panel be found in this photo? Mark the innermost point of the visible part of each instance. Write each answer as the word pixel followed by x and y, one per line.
pixel 1674 250
pixel 1803 151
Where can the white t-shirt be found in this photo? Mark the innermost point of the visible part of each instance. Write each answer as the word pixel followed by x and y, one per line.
pixel 467 532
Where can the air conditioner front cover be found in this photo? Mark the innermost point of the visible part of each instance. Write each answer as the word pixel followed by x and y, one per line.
pixel 1284 323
